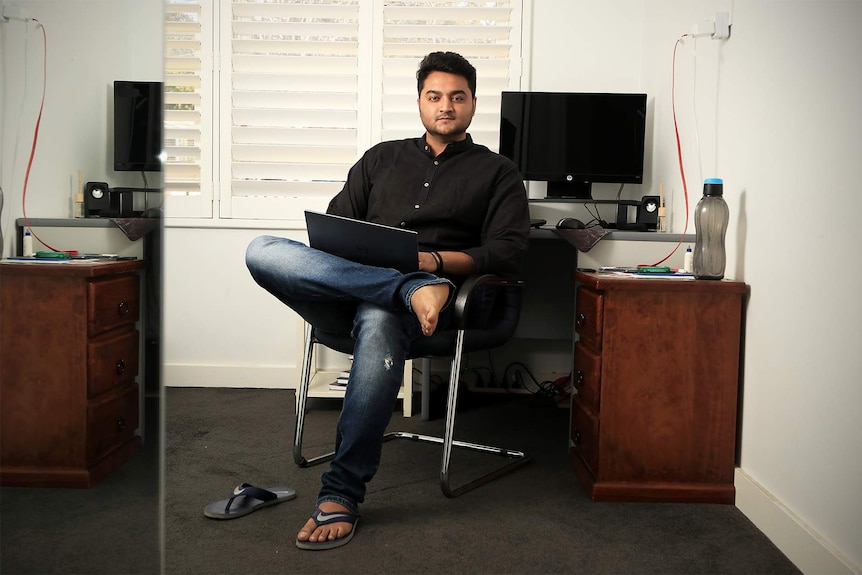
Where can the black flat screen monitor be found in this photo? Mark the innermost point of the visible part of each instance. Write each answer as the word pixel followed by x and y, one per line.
pixel 138 126
pixel 571 140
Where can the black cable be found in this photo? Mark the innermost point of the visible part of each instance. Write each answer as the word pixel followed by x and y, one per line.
pixel 491 369
pixel 596 217
pixel 545 388
pixel 481 380
pixel 519 365
pixel 435 380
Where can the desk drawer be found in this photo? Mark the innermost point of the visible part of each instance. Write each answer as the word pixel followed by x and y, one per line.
pixel 112 303
pixel 112 361
pixel 587 376
pixel 588 317
pixel 585 436
pixel 111 422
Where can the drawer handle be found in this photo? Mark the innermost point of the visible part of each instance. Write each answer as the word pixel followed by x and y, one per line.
pixel 123 308
pixel 121 367
pixel 121 423
pixel 580 380
pixel 581 320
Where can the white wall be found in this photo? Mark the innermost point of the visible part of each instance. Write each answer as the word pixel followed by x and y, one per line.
pixel 778 120
pixel 90 43
pixel 777 108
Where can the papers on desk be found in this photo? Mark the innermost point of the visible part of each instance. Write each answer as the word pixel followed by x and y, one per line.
pixel 634 273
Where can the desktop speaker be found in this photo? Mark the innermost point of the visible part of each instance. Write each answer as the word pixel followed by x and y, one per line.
pixel 121 203
pixel 97 199
pixel 648 212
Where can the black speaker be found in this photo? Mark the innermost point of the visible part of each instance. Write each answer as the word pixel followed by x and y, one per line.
pixel 97 199
pixel 648 212
pixel 121 203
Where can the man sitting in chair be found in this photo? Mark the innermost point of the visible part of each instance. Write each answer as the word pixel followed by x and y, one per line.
pixel 470 210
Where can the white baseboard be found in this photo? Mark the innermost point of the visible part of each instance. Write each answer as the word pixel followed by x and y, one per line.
pixel 806 548
pixel 239 376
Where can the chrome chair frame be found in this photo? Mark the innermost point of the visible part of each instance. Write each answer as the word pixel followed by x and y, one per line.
pixel 449 342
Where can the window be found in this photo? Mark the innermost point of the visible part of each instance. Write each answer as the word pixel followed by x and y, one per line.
pixel 269 102
pixel 188 181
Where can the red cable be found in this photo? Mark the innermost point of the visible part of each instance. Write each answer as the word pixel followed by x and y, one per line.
pixel 678 150
pixel 36 135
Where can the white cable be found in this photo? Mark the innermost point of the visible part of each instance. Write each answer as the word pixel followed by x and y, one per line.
pixel 694 112
pixel 717 123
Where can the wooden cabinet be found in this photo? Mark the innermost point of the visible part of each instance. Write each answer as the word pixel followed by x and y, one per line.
pixel 656 379
pixel 69 356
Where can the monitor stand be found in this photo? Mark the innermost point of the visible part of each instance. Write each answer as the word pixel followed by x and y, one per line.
pixel 579 190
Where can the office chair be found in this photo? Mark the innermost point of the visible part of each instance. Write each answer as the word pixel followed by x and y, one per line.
pixel 481 333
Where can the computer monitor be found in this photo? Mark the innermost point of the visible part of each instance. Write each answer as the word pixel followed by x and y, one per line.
pixel 571 140
pixel 138 126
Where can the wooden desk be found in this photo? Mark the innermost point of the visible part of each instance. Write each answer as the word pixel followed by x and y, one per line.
pixel 656 374
pixel 70 355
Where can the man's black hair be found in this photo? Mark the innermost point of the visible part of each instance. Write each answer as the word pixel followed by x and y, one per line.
pixel 449 62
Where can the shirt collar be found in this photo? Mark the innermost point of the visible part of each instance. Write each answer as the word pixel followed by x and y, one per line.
pixel 452 149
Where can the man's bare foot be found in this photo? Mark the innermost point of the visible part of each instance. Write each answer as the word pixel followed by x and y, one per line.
pixel 427 302
pixel 314 533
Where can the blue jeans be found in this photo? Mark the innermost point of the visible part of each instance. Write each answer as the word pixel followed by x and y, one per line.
pixel 371 304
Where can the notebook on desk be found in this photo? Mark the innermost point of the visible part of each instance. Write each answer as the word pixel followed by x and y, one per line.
pixel 364 242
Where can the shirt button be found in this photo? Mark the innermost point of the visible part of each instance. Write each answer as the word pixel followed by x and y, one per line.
pixel 416 206
pixel 436 163
pixel 426 184
pixel 403 224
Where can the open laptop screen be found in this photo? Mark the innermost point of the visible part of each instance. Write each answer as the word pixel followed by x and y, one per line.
pixel 364 242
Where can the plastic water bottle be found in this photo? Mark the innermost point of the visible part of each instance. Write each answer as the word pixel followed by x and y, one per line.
pixel 688 259
pixel 27 244
pixel 710 221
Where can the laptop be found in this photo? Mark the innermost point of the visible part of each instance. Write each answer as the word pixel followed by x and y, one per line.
pixel 364 242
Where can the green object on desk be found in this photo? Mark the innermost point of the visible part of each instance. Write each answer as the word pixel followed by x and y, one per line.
pixel 654 270
pixel 52 256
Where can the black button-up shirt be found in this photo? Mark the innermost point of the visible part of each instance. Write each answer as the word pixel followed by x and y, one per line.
pixel 467 199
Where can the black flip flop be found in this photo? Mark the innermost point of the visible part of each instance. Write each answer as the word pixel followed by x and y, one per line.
pixel 247 498
pixel 322 518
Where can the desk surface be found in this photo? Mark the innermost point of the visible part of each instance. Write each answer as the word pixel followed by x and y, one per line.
pixel 550 233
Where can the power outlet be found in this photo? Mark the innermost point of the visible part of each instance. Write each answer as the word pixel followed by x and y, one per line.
pixel 717 28
pixel 722 26
pixel 12 12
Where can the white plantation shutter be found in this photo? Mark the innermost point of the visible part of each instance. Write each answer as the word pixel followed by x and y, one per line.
pixel 486 32
pixel 297 90
pixel 188 109
pixel 293 78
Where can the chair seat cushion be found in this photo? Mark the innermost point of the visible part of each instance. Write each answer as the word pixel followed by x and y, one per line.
pixel 490 325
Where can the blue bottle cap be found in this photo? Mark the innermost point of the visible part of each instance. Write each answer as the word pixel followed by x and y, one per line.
pixel 713 187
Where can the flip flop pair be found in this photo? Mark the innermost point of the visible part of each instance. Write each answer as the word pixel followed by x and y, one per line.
pixel 247 498
pixel 323 518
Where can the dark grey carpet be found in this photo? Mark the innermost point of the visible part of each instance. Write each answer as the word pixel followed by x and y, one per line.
pixel 110 528
pixel 535 520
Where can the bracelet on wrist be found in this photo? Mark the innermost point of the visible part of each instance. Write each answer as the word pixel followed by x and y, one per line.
pixel 439 259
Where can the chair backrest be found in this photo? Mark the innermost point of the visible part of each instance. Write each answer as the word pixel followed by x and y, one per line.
pixel 487 326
